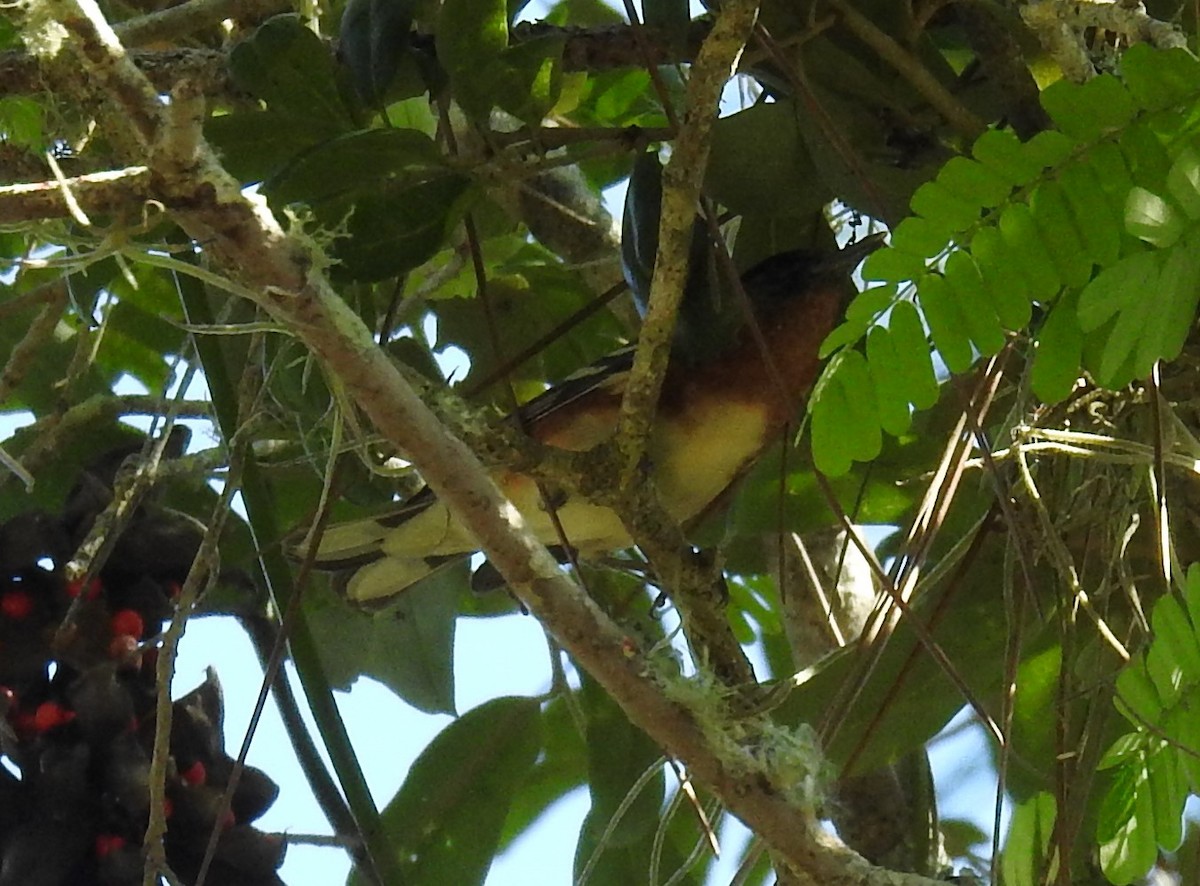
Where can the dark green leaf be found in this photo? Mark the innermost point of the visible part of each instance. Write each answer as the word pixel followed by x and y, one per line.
pixel 409 647
pixel 374 43
pixel 445 822
pixel 362 162
pixel 256 144
pixel 398 229
pixel 758 163
pixel 287 66
pixel 618 755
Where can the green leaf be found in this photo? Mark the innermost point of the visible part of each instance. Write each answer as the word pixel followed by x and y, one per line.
pixel 374 41
pixel 1146 157
pixel 1169 791
pixel 914 362
pixel 1124 828
pixel 871 303
pixel 1001 152
pixel 1159 78
pixel 1151 218
pixel 1087 111
pixel 1137 699
pixel 1024 241
pixel 843 334
pixel 1191 594
pixel 1050 148
pixel 1175 632
pixel 1001 273
pixel 940 205
pixel 917 236
pixel 256 144
pixel 1121 346
pixel 947 326
pixel 828 406
pixel 352 643
pixel 1099 227
pixel 973 182
pixel 618 754
pixel 22 122
pixel 1049 207
pixel 1183 182
pixel 398 229
pixel 974 303
pixel 445 822
pixel 758 163
pixel 860 424
pixel 888 380
pixel 1028 837
pixel 287 66
pixel 1059 352
pixel 472 35
pixel 1115 289
pixel 365 161
pixel 892 266
pixel 533 79
pixel 1179 292
pixel 1120 751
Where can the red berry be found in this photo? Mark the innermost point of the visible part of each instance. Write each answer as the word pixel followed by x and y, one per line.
pixel 23 723
pixel 16 605
pixel 168 807
pixel 74 588
pixel 174 589
pixel 195 774
pixel 50 715
pixel 106 844
pixel 228 820
pixel 127 621
pixel 124 649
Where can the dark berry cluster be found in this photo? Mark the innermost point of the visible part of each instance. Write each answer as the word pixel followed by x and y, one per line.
pixel 77 714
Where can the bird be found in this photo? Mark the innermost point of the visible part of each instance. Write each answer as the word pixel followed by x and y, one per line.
pixel 715 416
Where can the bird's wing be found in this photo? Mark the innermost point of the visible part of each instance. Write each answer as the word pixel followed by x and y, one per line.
pixel 431 534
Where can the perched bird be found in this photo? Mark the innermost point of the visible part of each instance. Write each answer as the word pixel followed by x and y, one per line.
pixel 714 418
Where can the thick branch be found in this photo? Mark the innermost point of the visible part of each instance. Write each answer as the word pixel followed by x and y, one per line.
pixel 96 193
